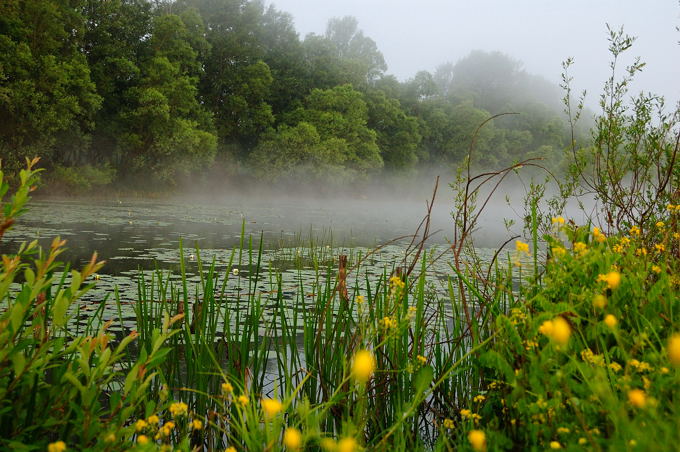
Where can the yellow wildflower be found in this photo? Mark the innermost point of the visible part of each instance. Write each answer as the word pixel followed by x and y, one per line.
pixel 656 269
pixel 563 430
pixel 142 439
pixel 641 251
pixel 637 398
pixel 421 359
pixel 555 445
pixel 616 367
pixel 613 279
pixel 635 230
pixel 397 282
pixel 243 400
pixel 660 247
pixel 57 446
pixel 558 251
pixel 363 365
pixel 448 423
pixel 546 328
pixel 230 449
pixel 610 321
pixel 561 331
pixel 271 407
pixel 479 398
pixel 522 247
pixel 557 220
pixel 580 248
pixel 153 419
pixel 227 388
pixel 477 440
pixel 140 425
pixel 347 444
pixel 359 299
pixel 660 224
pixel 178 409
pixel 466 414
pixel 196 424
pixel 582 441
pixel 673 349
pixel 292 438
pixel 599 236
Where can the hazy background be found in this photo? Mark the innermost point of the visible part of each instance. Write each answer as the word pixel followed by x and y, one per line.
pixel 420 35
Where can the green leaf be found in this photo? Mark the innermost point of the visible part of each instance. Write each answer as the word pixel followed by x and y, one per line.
pixel 423 379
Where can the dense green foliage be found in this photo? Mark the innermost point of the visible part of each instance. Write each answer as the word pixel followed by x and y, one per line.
pixel 158 90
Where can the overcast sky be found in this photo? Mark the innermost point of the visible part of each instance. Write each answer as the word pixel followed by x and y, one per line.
pixel 418 35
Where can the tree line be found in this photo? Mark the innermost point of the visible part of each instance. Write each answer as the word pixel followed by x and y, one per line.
pixel 157 90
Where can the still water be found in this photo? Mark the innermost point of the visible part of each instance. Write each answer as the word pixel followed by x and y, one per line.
pixel 300 241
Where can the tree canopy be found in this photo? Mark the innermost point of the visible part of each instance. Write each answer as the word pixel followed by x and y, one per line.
pixel 155 90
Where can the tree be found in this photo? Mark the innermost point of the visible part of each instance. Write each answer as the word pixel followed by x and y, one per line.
pixel 397 133
pixel 167 129
pixel 342 113
pixel 343 55
pixel 46 93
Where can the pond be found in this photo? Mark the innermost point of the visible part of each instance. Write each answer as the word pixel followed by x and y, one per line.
pixel 300 241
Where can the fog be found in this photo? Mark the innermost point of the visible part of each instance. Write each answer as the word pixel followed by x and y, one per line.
pixel 377 210
pixel 422 35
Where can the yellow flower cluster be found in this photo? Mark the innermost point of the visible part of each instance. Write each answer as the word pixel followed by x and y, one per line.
pixel 558 251
pixel 637 398
pixel 243 400
pixel 634 230
pixel 360 299
pixel 448 423
pixel 479 398
pixel 388 322
pixel 227 388
pixel 468 414
pixel 292 438
pixel 140 425
pixel 522 247
pixel 477 440
pixel 610 321
pixel 558 220
pixel 673 349
pixel 271 407
pixel 588 356
pixel 613 279
pixel 397 282
pixel 556 329
pixel 166 430
pixel 640 366
pixel 57 446
pixel 363 365
pixel 598 235
pixel 580 248
pixel 673 208
pixel 178 409
pixel 421 359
